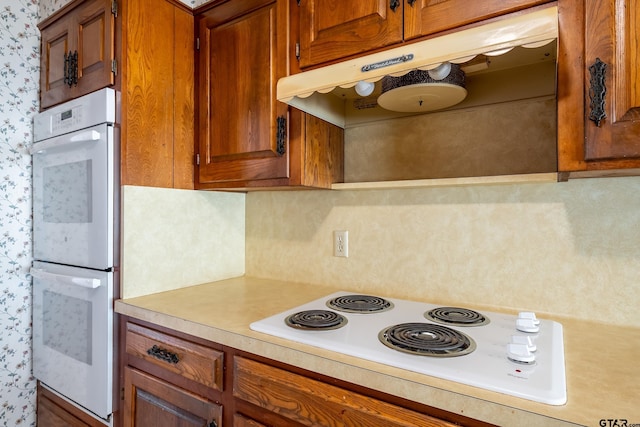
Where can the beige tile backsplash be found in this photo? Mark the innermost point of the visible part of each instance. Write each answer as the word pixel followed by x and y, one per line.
pixel 178 238
pixel 568 248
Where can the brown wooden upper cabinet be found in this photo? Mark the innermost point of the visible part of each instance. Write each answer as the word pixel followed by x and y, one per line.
pixel 246 138
pixel 599 87
pixel 77 52
pixel 612 55
pixel 330 31
pixel 144 49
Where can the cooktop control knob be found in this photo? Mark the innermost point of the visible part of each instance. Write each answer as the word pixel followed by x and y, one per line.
pixel 525 340
pixel 520 353
pixel 527 322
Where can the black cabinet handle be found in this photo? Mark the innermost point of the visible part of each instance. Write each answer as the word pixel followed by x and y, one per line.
pixel 394 4
pixel 162 354
pixel 67 60
pixel 597 91
pixel 411 2
pixel 281 135
pixel 71 68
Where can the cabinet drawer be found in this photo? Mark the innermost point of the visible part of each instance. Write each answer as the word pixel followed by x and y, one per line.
pixel 192 361
pixel 312 402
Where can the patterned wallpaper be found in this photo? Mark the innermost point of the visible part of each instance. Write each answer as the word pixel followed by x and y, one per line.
pixel 19 65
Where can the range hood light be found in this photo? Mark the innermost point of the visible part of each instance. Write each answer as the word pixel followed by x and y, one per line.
pixel 417 91
pixel 441 71
pixel 364 88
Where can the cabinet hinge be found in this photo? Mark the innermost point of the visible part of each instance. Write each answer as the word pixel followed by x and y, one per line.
pixel 114 8
pixel 298 51
pixel 197 43
pixel 114 67
pixel 197 159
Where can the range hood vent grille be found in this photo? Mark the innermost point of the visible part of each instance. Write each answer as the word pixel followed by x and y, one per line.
pixel 310 91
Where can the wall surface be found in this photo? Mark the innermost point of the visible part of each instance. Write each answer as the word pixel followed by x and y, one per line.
pixel 177 238
pixel 19 53
pixel 570 249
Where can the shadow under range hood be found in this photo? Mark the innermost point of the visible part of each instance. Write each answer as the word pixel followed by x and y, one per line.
pixel 322 92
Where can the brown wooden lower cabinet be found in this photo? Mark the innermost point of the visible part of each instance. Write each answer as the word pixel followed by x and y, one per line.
pixel 150 401
pixel 245 390
pixel 54 411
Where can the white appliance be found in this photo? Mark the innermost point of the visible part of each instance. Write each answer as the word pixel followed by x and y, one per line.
pixel 75 187
pixel 516 355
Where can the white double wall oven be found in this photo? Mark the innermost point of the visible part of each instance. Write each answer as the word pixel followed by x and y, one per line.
pixel 75 243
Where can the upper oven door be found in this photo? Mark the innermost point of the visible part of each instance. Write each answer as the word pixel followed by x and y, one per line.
pixel 73 191
pixel 73 333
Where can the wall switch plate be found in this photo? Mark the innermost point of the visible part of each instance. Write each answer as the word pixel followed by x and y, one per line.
pixel 341 243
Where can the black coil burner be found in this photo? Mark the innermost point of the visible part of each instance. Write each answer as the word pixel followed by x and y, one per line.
pixel 456 316
pixel 427 339
pixel 319 320
pixel 360 304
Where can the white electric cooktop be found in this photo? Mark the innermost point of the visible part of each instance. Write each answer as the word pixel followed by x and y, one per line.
pixel 489 360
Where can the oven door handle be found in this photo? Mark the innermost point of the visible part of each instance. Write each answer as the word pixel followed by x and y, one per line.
pixel 66 280
pixel 86 136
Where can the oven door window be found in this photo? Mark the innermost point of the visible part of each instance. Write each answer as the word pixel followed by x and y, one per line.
pixel 67 193
pixel 73 198
pixel 66 325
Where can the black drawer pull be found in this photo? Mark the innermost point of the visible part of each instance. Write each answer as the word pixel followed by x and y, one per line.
pixel 162 354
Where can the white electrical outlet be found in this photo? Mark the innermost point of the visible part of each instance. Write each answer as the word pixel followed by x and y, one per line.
pixel 341 243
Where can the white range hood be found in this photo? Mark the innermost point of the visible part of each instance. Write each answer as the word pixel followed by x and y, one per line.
pixel 320 91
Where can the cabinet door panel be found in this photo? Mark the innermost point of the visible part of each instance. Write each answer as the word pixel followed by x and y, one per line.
pixel 243 53
pixel 334 29
pixel 425 17
pixel 240 85
pixel 152 402
pixel 94 28
pixel 613 36
pixel 55 44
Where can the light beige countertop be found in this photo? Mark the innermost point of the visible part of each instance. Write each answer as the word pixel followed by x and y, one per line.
pixel 603 371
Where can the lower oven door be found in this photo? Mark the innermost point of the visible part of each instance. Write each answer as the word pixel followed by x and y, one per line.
pixel 73 334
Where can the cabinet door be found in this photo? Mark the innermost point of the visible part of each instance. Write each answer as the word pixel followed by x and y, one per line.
pixel 242 128
pixel 334 30
pixel 425 17
pixel 149 401
pixel 93 27
pixel 612 55
pixel 55 44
